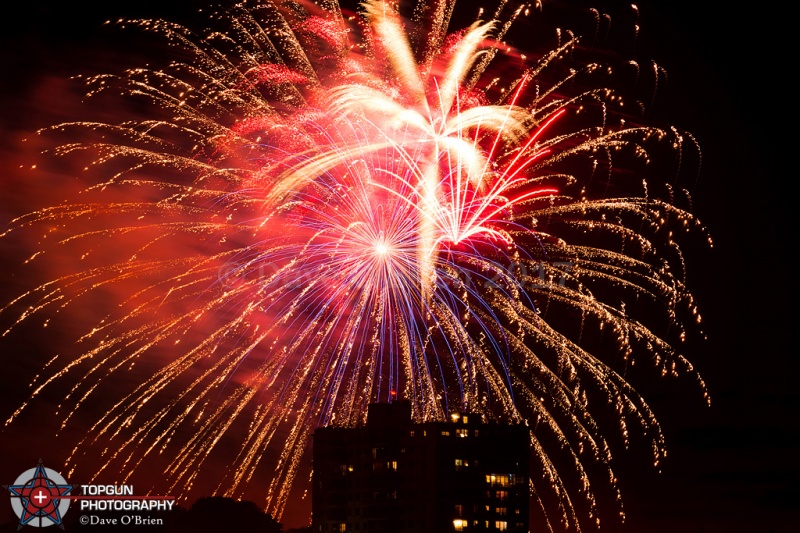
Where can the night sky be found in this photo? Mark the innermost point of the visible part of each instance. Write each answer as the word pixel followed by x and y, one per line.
pixel 731 466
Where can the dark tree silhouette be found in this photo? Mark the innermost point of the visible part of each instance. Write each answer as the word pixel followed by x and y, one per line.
pixel 214 514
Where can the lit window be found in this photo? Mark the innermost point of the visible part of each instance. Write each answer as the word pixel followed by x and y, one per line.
pixel 462 432
pixel 459 524
pixel 465 419
pixel 501 525
pixel 496 480
pixel 502 511
pixel 445 433
pixel 501 495
pixel 342 527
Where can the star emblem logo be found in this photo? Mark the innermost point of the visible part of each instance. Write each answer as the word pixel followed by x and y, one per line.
pixel 40 497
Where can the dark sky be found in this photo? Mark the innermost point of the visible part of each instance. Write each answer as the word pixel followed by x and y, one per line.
pixel 732 467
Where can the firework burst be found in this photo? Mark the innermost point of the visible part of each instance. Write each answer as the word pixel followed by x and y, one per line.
pixel 322 211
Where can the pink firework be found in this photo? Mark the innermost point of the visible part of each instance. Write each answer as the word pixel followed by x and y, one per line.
pixel 325 211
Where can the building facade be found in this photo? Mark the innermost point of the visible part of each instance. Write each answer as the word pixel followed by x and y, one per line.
pixel 395 476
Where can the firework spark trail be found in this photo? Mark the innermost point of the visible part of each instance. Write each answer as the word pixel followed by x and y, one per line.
pixel 315 218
